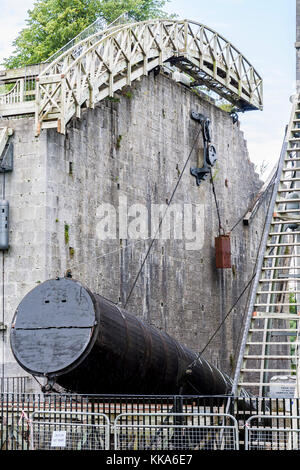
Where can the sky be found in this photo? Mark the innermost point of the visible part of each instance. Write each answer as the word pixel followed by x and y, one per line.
pixel 263 30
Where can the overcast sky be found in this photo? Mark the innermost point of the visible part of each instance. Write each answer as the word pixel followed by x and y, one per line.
pixel 263 30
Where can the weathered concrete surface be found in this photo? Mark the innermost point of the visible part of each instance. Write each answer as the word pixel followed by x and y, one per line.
pixel 135 147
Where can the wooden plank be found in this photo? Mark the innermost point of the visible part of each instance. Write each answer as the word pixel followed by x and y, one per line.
pixel 17 109
pixel 11 75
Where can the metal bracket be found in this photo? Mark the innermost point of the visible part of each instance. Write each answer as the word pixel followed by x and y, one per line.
pixel 210 153
pixel 234 116
pixel 49 386
pixel 6 160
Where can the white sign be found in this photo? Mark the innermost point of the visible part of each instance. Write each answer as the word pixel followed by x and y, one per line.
pixel 282 390
pixel 59 439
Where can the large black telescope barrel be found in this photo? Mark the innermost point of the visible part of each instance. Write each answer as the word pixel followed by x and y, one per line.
pixel 87 344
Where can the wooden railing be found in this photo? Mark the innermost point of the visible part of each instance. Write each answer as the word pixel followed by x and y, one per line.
pixel 108 60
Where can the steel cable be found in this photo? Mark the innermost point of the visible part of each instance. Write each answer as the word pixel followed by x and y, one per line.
pixel 161 220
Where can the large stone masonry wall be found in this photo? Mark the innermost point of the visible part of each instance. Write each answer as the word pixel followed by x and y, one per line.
pixel 24 263
pixel 135 147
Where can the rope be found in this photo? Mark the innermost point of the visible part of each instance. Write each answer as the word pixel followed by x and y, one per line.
pixel 216 202
pixel 161 220
pixel 233 364
pixel 240 296
pixel 34 377
pixel 260 198
pixel 229 312
pixel 221 324
pixel 113 252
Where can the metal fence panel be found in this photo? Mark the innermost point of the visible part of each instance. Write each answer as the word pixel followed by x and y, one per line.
pixel 14 384
pixel 16 410
pixel 281 432
pixel 69 431
pixel 175 431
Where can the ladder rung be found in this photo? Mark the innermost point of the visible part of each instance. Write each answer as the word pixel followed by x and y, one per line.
pixel 271 356
pixel 280 268
pixel 275 304
pixel 287 190
pixel 281 256
pixel 284 201
pixel 275 316
pixel 277 330
pixel 269 370
pixel 279 292
pixel 255 384
pixel 293 159
pixel 285 222
pixel 293 168
pixel 287 211
pixel 274 245
pixel 289 180
pixel 283 279
pixel 283 234
pixel 261 343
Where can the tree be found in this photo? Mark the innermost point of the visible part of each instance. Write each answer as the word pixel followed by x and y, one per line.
pixel 53 23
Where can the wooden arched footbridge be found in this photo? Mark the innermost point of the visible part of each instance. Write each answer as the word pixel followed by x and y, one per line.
pixel 105 62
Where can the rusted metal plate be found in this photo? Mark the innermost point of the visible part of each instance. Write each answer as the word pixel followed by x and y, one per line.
pixel 223 252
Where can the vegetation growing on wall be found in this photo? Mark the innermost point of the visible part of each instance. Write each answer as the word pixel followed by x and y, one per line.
pixel 66 234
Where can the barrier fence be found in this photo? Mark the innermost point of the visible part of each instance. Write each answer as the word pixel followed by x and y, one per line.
pixel 272 433
pixel 176 431
pixel 98 422
pixel 68 431
pixel 15 385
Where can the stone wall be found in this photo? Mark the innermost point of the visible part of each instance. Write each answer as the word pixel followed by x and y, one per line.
pixel 133 148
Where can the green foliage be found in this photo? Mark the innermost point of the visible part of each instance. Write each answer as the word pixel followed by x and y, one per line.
pixel 118 144
pixel 215 172
pixel 128 95
pixel 66 234
pixel 292 300
pixel 227 107
pixel 53 23
pixel 140 10
pixel 112 99
pixel 6 87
